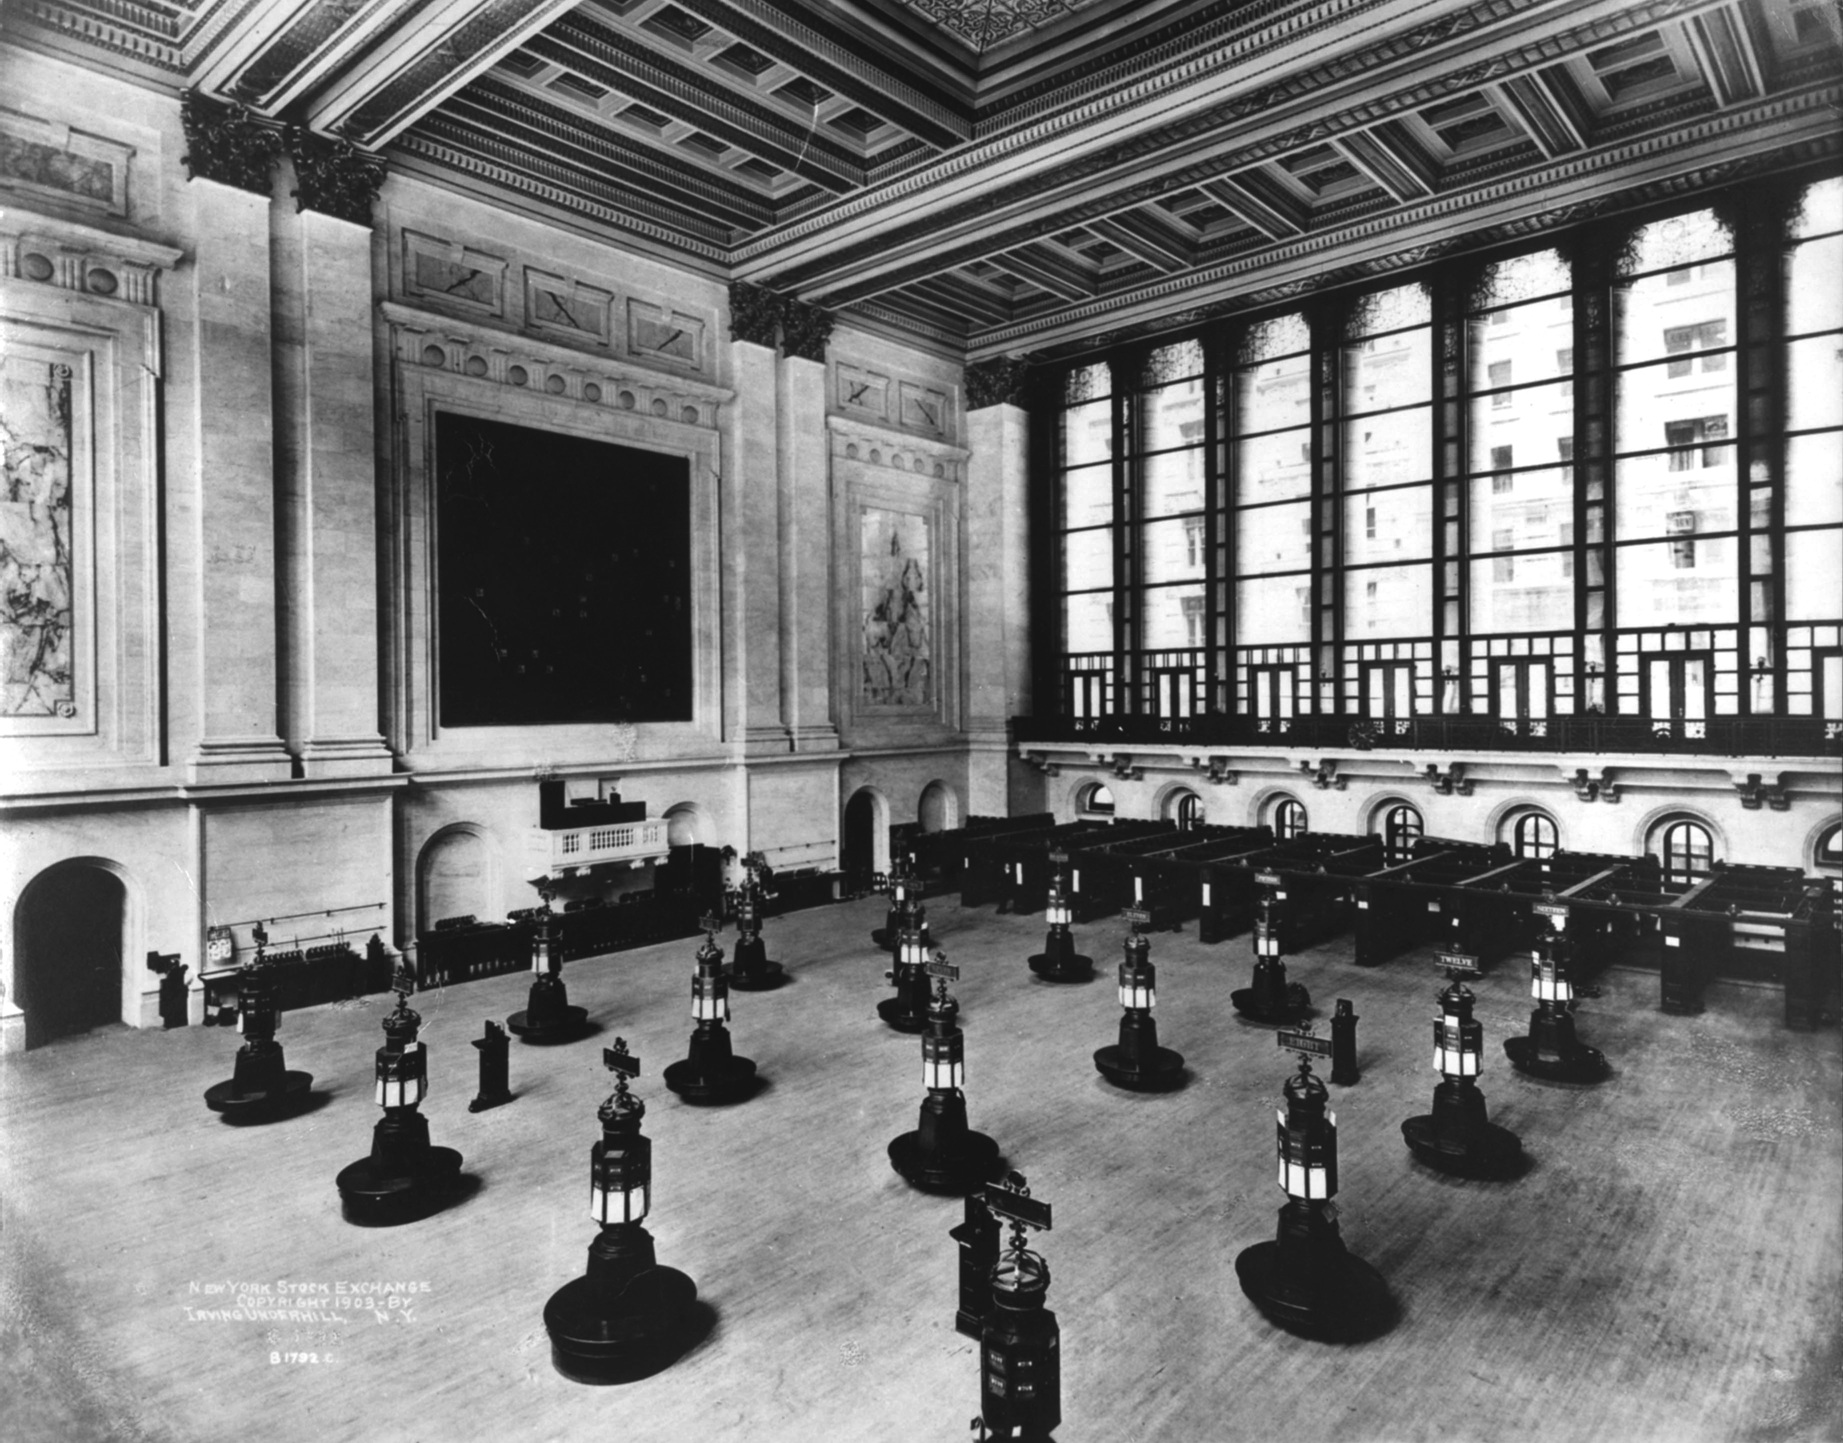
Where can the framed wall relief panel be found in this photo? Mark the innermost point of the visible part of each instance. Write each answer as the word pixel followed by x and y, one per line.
pixel 79 503
pixel 897 655
pixel 896 581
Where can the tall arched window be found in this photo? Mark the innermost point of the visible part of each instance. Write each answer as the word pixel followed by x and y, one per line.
pixel 1686 849
pixel 1533 835
pixel 1095 800
pixel 1401 827
pixel 1288 819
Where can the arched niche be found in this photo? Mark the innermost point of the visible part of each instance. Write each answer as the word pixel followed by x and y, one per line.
pixel 456 876
pixel 74 936
pixel 685 825
pixel 939 807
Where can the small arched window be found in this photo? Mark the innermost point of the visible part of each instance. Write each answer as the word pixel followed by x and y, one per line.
pixel 1401 828
pixel 1096 800
pixel 1686 850
pixel 1189 810
pixel 1829 859
pixel 1288 819
pixel 1533 835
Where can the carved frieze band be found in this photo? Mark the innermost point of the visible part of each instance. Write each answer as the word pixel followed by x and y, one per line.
pixel 333 176
pixel 77 257
pixel 895 450
pixel 227 144
pixel 436 343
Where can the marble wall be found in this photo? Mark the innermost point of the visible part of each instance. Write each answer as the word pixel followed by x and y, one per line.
pixel 228 701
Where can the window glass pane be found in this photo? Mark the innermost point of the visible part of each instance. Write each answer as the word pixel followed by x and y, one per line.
pixel 1087 497
pixel 1274 468
pixel 1172 416
pixel 1685 580
pixel 1273 610
pixel 1676 311
pixel 1384 450
pixel 1814 479
pixel 1172 483
pixel 1815 369
pixel 1171 550
pixel 1388 525
pixel 1274 395
pixel 1087 560
pixel 1280 336
pixel 1087 433
pixel 1391 309
pixel 1814 286
pixel 1532 422
pixel 1522 278
pixel 1822 209
pixel 1173 617
pixel 1523 593
pixel 1388 371
pixel 1087 622
pixel 1388 601
pixel 1087 383
pixel 1684 492
pixel 1522 511
pixel 1535 339
pixel 1657 409
pixel 1273 538
pixel 1813 575
pixel 1679 239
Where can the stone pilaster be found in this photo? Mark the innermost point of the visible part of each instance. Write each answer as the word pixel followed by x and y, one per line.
pixel 234 612
pixel 997 596
pixel 806 557
pixel 751 551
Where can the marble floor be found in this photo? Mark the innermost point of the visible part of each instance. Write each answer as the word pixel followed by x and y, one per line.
pixel 1669 1269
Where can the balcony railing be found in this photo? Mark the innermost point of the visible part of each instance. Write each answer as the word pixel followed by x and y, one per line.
pixel 1717 736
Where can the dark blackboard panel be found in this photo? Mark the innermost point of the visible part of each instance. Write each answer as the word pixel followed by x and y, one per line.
pixel 563 571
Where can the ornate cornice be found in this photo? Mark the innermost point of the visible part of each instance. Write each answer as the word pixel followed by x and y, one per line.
pixel 755 314
pixel 805 330
pixel 1000 381
pixel 333 176
pixel 227 144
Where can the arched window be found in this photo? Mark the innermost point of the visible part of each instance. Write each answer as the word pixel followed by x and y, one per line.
pixel 1829 858
pixel 1533 835
pixel 1686 849
pixel 1095 800
pixel 1288 819
pixel 1185 808
pixel 1401 826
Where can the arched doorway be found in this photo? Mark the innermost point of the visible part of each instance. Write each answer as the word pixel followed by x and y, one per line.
pixel 938 809
pixel 860 855
pixel 68 936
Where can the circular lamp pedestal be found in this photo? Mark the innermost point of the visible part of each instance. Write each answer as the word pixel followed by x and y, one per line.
pixel 944 1155
pixel 1552 1052
pixel 548 1017
pixel 1137 1062
pixel 711 1072
pixel 752 971
pixel 625 1317
pixel 1271 998
pixel 261 1085
pixel 907 1011
pixel 1306 1282
pixel 403 1179
pixel 1456 1137
pixel 1059 961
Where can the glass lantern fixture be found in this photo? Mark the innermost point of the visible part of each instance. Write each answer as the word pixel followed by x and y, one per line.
pixel 621 1164
pixel 402 1064
pixel 710 989
pixel 1307 1136
pixel 1548 971
pixel 1138 977
pixel 543 943
pixel 912 948
pixel 943 1046
pixel 1056 909
pixel 1458 1037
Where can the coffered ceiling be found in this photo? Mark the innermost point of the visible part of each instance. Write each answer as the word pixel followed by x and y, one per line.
pixel 1016 176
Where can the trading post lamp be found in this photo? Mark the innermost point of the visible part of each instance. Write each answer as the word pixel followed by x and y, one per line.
pixel 943 1154
pixel 710 1071
pixel 1136 1061
pixel 260 1085
pixel 1059 961
pixel 1551 1050
pixel 1456 1136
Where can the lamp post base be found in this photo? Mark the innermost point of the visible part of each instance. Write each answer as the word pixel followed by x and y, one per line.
pixel 1350 1301
pixel 903 1013
pixel 1483 1150
pixel 602 1336
pixel 751 971
pixel 374 1196
pixel 1260 1005
pixel 566 1025
pixel 1552 1052
pixel 949 1171
pixel 1062 966
pixel 697 1082
pixel 1157 1069
pixel 275 1095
